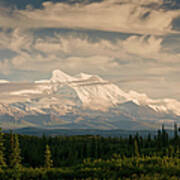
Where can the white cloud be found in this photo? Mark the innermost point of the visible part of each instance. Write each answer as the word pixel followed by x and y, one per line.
pixel 90 64
pixel 143 46
pixel 75 46
pixel 5 67
pixel 129 16
pixel 149 48
pixel 39 63
pixel 133 48
pixel 75 64
pixel 15 40
pixel 80 52
pixel 149 45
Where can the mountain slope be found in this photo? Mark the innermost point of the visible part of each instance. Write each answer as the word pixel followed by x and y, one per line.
pixel 83 101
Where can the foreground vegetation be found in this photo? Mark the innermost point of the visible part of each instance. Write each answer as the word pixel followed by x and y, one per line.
pixel 90 157
pixel 124 168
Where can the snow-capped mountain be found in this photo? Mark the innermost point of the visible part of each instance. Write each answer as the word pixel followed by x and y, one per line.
pixel 92 91
pixel 82 101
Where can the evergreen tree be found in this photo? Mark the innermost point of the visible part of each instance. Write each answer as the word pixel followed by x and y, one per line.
pixel 164 137
pixel 15 158
pixel 136 148
pixel 95 146
pixel 175 131
pixel 141 142
pixel 159 139
pixel 175 137
pixel 2 159
pixel 130 140
pixel 11 146
pixel 48 160
pixel 149 140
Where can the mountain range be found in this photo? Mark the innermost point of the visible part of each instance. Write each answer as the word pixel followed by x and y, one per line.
pixel 82 101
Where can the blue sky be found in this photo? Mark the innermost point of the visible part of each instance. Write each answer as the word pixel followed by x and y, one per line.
pixel 134 43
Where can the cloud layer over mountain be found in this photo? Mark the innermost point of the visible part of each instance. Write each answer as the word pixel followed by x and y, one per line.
pixel 133 42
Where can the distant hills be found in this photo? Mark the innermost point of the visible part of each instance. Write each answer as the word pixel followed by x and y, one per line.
pixel 88 132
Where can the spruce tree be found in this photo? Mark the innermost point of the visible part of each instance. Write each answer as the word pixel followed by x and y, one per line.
pixel 136 148
pixel 175 137
pixel 159 139
pixel 2 159
pixel 130 144
pixel 175 132
pixel 164 137
pixel 149 140
pixel 15 158
pixel 48 160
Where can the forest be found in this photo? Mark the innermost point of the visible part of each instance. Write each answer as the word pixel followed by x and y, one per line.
pixel 90 157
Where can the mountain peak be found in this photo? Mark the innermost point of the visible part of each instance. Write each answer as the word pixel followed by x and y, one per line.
pixel 89 77
pixel 59 76
pixel 83 76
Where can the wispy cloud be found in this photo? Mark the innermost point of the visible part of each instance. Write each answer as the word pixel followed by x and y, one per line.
pixel 74 52
pixel 129 16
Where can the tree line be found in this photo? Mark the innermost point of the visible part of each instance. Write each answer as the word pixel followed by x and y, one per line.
pixel 82 156
pixel 30 151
